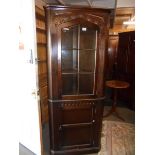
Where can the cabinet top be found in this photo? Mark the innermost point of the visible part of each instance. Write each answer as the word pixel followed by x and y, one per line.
pixel 83 9
pixel 60 7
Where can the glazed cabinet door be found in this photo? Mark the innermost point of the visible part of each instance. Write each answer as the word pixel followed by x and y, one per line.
pixel 78 59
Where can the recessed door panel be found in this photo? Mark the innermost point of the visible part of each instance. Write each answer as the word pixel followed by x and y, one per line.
pixel 70 136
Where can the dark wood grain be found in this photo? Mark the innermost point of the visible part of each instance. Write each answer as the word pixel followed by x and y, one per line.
pixel 76 118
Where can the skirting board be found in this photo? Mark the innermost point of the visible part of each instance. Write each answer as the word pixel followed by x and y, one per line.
pixel 76 151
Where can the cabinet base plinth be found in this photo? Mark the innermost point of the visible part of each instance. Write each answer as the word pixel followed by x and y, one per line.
pixel 76 151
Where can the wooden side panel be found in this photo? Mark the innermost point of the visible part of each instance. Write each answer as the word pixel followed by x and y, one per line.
pixel 42 62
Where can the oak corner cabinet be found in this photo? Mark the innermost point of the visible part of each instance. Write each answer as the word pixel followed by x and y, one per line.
pixel 77 44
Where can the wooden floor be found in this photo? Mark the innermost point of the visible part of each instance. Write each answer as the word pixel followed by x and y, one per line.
pixel 127 114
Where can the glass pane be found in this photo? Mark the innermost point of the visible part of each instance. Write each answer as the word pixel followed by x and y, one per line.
pixel 69 38
pixel 86 83
pixel 69 60
pixel 87 60
pixel 69 84
pixel 87 38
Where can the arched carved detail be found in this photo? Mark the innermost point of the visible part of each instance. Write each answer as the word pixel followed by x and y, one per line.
pixel 64 18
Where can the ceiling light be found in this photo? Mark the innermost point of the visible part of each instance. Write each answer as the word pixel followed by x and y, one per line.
pixel 84 29
pixel 130 22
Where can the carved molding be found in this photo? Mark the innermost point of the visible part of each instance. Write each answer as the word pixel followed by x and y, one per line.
pixel 67 17
pixel 76 105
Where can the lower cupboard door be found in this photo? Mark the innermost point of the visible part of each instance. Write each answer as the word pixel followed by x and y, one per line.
pixel 76 136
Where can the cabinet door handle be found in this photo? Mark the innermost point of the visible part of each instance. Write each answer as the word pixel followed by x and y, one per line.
pixel 93 121
pixel 60 128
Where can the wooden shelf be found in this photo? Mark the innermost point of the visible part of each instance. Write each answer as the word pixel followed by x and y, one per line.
pixel 41 29
pixel 43 44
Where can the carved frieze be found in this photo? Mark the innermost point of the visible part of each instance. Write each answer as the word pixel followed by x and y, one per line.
pixel 64 18
pixel 76 105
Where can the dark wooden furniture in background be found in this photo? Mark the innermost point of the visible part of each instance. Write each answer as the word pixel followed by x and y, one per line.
pixel 126 66
pixel 42 62
pixel 77 43
pixel 115 85
pixel 111 59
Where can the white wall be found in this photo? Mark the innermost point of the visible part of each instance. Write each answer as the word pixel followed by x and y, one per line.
pixel 13 79
pixel 29 116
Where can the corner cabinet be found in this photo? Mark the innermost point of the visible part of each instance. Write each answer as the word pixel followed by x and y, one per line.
pixel 77 44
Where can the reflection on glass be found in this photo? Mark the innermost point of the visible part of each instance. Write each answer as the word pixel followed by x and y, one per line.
pixel 87 60
pixel 87 39
pixel 69 84
pixel 86 83
pixel 69 38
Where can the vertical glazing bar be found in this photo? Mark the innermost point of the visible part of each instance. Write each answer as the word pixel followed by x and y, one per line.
pixel 78 56
pixel 74 47
pixel 95 61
